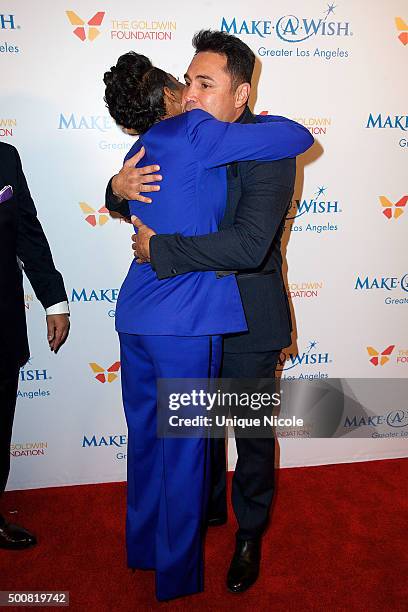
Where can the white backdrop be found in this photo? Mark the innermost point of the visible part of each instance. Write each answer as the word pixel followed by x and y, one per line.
pixel 340 70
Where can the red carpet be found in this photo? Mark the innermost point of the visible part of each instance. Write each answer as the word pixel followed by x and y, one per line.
pixel 337 541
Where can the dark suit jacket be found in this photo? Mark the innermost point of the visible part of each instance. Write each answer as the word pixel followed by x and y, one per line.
pixel 248 240
pixel 21 235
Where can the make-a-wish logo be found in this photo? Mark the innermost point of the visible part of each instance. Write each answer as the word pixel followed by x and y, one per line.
pixel 380 357
pixel 385 283
pixel 34 378
pixel 95 217
pixel 393 210
pixel 113 441
pixel 104 375
pixel 318 204
pixel 382 122
pixel 7 22
pixel 394 418
pixel 29 374
pixel 316 208
pixel 310 357
pixel 388 285
pixel 101 123
pixel 118 440
pixel 293 29
pixel 95 295
pixel 290 28
pixel 86 30
pixel 402 28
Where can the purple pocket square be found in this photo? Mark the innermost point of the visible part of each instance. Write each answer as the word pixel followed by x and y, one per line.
pixel 6 193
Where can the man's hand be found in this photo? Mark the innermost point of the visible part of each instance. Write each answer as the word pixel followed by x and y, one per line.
pixel 57 330
pixel 141 240
pixel 131 181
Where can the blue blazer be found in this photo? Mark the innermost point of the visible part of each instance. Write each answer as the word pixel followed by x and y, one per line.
pixel 192 150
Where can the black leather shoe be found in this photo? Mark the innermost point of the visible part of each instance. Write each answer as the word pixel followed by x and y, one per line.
pixel 216 520
pixel 244 568
pixel 14 537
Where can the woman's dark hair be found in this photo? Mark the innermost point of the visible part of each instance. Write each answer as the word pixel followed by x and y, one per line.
pixel 240 58
pixel 134 92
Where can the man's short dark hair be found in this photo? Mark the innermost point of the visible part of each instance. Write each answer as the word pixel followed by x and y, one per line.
pixel 240 58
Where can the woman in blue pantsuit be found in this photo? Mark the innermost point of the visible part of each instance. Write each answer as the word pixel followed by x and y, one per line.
pixel 167 485
pixel 172 328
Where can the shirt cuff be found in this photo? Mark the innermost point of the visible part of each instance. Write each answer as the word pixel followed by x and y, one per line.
pixel 60 308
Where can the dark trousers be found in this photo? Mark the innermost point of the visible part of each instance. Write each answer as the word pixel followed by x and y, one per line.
pixel 8 393
pixel 253 479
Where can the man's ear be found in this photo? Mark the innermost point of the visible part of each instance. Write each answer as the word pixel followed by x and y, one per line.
pixel 242 94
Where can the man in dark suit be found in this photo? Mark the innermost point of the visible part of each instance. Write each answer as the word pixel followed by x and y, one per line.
pixel 22 241
pixel 248 241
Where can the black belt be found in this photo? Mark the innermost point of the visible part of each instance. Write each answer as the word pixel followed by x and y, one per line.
pixel 250 274
pixel 223 273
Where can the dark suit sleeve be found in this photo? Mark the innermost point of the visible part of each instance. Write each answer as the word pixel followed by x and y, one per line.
pixel 267 189
pixel 32 246
pixel 113 204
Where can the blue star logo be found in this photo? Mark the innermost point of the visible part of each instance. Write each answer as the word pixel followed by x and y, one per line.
pixel 330 9
pixel 312 345
pixel 320 191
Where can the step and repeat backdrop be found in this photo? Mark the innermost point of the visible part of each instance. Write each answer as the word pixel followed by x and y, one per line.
pixel 340 70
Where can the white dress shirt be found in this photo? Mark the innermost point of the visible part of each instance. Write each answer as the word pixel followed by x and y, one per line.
pixel 60 308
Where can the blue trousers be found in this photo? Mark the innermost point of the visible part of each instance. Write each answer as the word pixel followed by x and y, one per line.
pixel 168 479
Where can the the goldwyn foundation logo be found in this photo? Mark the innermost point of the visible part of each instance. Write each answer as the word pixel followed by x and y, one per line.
pixel 104 375
pixel 28 449
pixel 397 356
pixel 393 210
pixel 378 358
pixel 94 217
pixel 86 30
pixel 402 29
pixel 6 127
pixel 305 289
pixel 315 125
